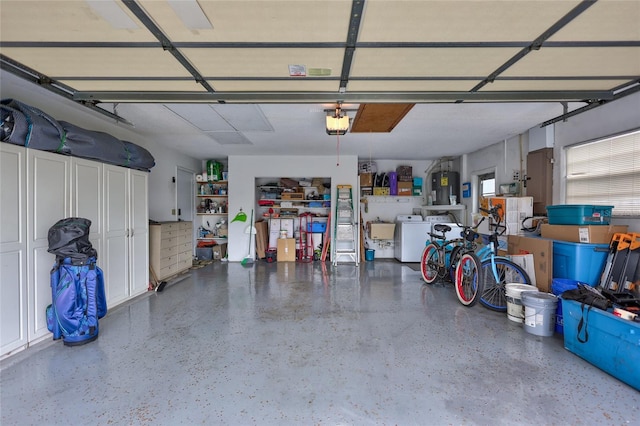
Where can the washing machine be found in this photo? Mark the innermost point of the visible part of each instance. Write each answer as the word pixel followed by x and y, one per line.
pixel 410 236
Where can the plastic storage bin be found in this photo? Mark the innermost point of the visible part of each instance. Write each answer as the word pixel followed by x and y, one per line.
pixel 317 227
pixel 579 214
pixel 579 261
pixel 612 343
pixel 559 286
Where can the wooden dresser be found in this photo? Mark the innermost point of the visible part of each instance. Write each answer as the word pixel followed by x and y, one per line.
pixel 170 248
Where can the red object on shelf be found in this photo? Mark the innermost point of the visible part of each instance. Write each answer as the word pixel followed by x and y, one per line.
pixel 265 202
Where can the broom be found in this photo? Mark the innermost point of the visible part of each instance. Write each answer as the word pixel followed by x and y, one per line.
pixel 248 259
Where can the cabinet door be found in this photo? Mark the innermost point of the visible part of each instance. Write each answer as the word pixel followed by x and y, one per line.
pixel 116 228
pixel 86 198
pixel 540 179
pixel 48 201
pixel 139 233
pixel 13 248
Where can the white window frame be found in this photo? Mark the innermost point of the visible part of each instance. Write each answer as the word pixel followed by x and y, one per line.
pixel 630 209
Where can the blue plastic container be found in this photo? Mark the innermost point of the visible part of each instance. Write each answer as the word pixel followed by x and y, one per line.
pixel 559 286
pixel 579 261
pixel 613 343
pixel 579 214
pixel 316 227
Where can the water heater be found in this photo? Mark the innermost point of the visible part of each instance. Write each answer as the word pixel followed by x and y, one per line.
pixel 443 185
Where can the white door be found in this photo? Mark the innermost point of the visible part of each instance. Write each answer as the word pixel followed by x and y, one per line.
pixel 86 198
pixel 139 233
pixel 116 228
pixel 13 248
pixel 48 202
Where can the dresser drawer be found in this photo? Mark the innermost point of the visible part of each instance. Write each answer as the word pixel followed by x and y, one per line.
pixel 168 242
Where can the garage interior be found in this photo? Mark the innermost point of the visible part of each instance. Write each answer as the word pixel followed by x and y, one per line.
pixel 467 86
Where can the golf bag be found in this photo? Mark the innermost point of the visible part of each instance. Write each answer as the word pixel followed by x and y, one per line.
pixel 77 284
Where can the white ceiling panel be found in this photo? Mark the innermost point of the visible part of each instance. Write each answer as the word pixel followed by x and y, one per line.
pixel 92 62
pixel 573 61
pixel 302 84
pixel 243 117
pixel 229 138
pixel 64 20
pixel 263 21
pixel 201 116
pixel 134 85
pixel 261 62
pixel 411 85
pixel 606 20
pixel 517 85
pixel 458 21
pixel 406 62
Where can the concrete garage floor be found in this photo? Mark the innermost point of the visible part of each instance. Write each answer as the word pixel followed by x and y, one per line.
pixel 298 344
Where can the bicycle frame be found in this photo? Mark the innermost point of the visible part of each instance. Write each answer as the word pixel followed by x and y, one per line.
pixel 489 252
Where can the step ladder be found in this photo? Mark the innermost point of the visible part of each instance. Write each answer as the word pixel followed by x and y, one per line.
pixel 345 228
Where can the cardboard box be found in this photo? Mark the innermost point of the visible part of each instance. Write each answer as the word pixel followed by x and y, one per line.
pixel 381 190
pixel 526 262
pixel 405 188
pixel 381 231
pixel 286 250
pixel 262 238
pixel 542 250
pixel 219 251
pixel 593 234
pixel 292 196
pixel 366 179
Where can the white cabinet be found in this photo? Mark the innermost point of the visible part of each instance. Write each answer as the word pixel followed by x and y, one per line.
pixel 13 248
pixel 48 201
pixel 38 189
pixel 86 198
pixel 126 228
pixel 139 232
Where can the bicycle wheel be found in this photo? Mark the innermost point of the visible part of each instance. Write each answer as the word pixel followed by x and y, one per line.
pixel 430 263
pixel 469 282
pixel 494 296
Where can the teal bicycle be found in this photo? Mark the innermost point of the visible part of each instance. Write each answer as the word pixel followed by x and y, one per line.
pixel 454 260
pixel 497 271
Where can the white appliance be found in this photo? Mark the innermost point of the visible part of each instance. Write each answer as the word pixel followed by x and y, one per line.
pixel 410 237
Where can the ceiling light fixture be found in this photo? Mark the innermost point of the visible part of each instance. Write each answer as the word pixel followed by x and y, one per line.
pixel 111 12
pixel 191 14
pixel 337 121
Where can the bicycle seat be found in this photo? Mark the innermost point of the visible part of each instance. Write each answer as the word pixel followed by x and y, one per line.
pixel 441 227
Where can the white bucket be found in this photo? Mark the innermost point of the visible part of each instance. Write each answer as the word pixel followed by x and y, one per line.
pixel 515 309
pixel 539 313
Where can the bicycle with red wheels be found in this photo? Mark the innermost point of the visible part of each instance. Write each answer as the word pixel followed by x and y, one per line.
pixel 453 260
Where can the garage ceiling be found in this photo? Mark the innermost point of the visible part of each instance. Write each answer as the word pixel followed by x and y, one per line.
pixel 217 78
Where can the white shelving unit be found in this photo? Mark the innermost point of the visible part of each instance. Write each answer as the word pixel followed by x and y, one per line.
pixel 212 208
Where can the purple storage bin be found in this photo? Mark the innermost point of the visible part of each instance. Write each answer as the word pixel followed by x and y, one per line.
pixel 393 183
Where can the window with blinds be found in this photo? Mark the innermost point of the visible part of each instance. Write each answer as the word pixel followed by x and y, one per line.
pixel 606 172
